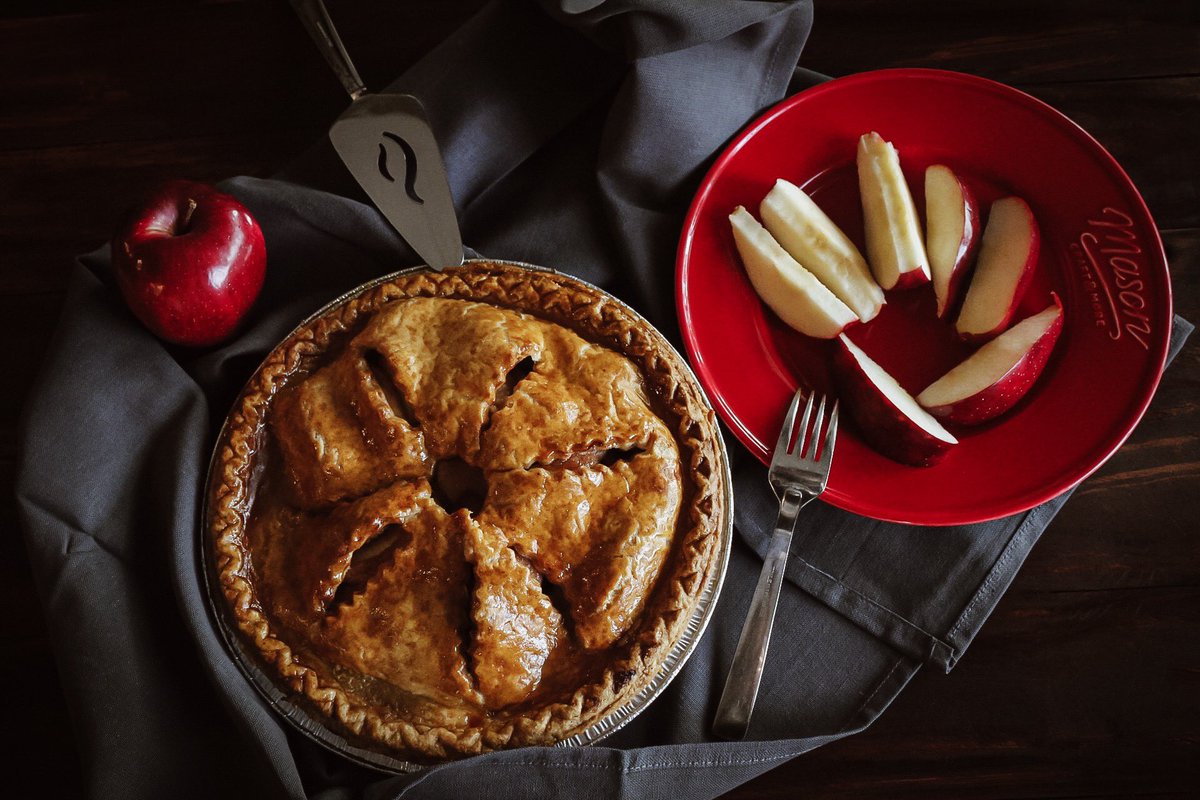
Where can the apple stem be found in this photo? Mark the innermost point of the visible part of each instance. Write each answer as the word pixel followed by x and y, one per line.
pixel 187 217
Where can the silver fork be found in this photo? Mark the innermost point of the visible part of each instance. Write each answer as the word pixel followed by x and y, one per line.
pixel 797 476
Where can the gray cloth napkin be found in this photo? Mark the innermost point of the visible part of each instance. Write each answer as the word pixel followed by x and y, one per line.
pixel 574 137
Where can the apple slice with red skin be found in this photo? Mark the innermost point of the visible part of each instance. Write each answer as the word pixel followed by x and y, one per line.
pixel 997 375
pixel 1007 258
pixel 189 262
pixel 889 419
pixel 791 291
pixel 952 234
pixel 812 238
pixel 895 248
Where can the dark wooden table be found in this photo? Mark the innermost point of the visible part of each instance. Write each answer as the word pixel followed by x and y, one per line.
pixel 1086 680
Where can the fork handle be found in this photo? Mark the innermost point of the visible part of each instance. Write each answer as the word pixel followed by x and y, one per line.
pixel 745 675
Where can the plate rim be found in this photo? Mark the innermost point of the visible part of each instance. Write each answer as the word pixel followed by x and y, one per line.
pixel 998 509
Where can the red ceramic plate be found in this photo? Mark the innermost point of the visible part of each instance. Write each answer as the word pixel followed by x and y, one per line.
pixel 1100 251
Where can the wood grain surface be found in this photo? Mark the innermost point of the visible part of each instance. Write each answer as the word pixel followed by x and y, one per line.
pixel 1086 680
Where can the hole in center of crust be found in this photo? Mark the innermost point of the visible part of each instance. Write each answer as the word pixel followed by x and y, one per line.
pixel 457 484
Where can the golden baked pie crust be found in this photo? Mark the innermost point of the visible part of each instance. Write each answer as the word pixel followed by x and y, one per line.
pixel 638 656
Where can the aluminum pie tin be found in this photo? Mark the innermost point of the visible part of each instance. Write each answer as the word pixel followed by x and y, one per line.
pixel 318 730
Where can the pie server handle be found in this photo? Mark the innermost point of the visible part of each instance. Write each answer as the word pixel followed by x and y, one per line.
pixel 387 144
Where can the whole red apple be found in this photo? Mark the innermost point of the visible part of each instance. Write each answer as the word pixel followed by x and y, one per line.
pixel 189 261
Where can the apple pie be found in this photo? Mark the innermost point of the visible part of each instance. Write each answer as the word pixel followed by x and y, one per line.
pixel 467 510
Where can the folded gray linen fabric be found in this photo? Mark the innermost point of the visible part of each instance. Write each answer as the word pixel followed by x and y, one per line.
pixel 574 137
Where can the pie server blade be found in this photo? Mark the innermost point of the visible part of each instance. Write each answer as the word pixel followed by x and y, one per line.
pixel 386 143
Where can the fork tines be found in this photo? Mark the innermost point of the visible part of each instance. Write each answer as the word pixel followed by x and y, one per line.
pixel 803 442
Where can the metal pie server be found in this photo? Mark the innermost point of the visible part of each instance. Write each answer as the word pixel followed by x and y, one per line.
pixel 387 144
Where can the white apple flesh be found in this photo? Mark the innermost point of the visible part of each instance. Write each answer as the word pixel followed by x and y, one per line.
pixel 895 249
pixel 791 291
pixel 1007 258
pixel 952 234
pixel 812 238
pixel 998 374
pixel 889 419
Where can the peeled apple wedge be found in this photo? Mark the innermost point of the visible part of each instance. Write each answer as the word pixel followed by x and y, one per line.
pixel 791 291
pixel 1007 258
pixel 952 234
pixel 889 419
pixel 812 238
pixel 998 374
pixel 895 249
